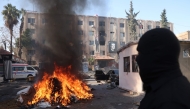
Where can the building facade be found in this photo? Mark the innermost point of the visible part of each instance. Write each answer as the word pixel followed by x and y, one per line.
pixel 101 36
pixel 184 35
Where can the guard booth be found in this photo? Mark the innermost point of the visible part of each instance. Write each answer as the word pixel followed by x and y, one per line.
pixel 6 61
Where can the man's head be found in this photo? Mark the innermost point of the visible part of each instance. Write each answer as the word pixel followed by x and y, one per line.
pixel 112 46
pixel 158 53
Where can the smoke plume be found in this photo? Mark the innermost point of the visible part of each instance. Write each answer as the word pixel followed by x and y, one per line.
pixel 58 40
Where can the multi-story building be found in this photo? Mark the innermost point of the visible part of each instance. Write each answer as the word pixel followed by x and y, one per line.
pixel 184 35
pixel 101 36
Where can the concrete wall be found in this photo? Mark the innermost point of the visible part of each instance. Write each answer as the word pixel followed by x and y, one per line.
pixel 184 62
pixel 184 35
pixel 129 80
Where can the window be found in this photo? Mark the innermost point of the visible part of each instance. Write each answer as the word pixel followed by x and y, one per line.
pixel 91 42
pixel 102 33
pixel 122 25
pixel 31 52
pixel 134 64
pixel 101 37
pixel 102 52
pixel 32 31
pixel 111 22
pixel 122 34
pixel 101 23
pixel 112 35
pixel 91 52
pixel 44 21
pixel 80 32
pixel 80 22
pixel 18 68
pixel 149 27
pixel 30 68
pixel 91 33
pixel 122 44
pixel 169 28
pixel 157 26
pixel 126 64
pixel 31 20
pixel 91 23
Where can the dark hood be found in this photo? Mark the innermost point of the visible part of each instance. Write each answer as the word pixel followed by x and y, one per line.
pixel 158 55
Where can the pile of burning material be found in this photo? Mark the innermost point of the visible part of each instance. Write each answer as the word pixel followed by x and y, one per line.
pixel 60 88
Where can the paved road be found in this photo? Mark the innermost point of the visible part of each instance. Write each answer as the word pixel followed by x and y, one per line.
pixel 108 98
pixel 103 98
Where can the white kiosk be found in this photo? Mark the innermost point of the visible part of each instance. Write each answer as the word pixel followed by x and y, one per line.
pixel 129 78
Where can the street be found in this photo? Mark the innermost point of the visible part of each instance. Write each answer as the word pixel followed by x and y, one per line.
pixel 104 98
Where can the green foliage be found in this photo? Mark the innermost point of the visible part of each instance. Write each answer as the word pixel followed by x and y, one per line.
pixel 26 39
pixel 91 60
pixel 11 16
pixel 132 22
pixel 164 21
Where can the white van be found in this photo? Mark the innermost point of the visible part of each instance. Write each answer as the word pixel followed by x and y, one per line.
pixel 20 70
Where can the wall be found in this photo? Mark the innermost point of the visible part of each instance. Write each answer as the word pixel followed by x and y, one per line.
pixel 130 81
pixel 184 62
pixel 184 35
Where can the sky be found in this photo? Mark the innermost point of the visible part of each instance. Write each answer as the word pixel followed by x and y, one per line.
pixel 177 11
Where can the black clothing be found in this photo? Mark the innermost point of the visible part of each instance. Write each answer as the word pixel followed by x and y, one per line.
pixel 163 82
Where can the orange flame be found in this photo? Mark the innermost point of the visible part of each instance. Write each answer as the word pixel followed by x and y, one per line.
pixel 68 85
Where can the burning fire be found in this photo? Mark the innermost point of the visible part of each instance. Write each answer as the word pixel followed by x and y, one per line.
pixel 60 87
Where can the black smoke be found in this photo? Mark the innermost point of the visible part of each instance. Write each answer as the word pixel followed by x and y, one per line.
pixel 58 40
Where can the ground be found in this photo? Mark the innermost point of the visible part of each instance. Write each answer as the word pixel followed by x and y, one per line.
pixel 104 98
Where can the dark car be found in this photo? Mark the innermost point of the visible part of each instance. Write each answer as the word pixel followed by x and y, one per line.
pixel 99 75
pixel 113 76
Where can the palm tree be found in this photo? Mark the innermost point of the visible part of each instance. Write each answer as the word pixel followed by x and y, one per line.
pixel 22 12
pixel 11 16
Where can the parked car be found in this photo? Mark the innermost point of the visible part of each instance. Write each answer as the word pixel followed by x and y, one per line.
pixel 111 76
pixel 99 75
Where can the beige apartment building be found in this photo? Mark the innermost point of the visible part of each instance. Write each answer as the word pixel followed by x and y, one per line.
pixel 184 35
pixel 102 36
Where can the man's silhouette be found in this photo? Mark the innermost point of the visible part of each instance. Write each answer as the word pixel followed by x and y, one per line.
pixel 164 85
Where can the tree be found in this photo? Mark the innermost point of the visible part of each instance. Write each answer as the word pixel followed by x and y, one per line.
pixel 25 40
pixel 132 22
pixel 22 12
pixel 164 21
pixel 5 36
pixel 11 16
pixel 91 60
